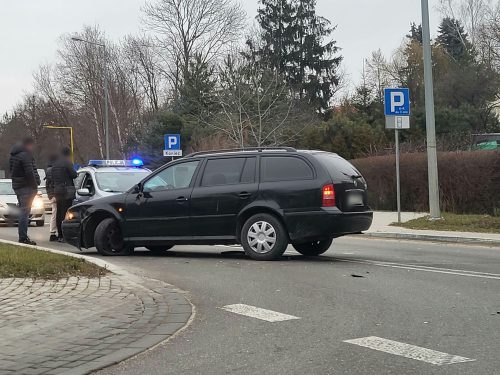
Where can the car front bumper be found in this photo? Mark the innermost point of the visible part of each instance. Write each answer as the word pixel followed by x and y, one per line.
pixel 71 231
pixel 11 215
pixel 326 223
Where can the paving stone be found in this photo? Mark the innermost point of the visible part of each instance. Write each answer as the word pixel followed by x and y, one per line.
pixel 76 325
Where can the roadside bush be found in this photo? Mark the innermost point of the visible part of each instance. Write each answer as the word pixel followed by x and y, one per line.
pixel 469 181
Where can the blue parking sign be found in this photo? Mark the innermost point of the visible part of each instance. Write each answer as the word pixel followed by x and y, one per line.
pixel 397 102
pixel 172 145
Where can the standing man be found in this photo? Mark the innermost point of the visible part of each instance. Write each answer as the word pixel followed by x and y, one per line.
pixel 25 181
pixel 63 174
pixel 49 183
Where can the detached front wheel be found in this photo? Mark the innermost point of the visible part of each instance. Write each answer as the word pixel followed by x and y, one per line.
pixel 108 239
pixel 263 237
pixel 313 248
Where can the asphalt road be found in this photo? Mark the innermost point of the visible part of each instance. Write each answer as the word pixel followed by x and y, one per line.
pixel 421 308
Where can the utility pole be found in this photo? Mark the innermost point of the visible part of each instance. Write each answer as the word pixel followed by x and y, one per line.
pixel 430 119
pixel 105 90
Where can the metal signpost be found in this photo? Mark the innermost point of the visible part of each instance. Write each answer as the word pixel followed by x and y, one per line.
pixel 172 145
pixel 397 117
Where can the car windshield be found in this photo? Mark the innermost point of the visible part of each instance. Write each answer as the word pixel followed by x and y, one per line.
pixel 6 188
pixel 118 182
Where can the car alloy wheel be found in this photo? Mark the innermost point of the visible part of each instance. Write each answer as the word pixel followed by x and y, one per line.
pixel 261 237
pixel 264 237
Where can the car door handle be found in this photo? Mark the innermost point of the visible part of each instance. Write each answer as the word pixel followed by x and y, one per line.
pixel 244 195
pixel 181 199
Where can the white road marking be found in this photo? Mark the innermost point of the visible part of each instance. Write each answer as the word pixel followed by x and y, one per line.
pixel 258 313
pixel 415 267
pixel 408 351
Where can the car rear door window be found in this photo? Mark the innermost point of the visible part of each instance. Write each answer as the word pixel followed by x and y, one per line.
pixel 226 171
pixel 248 174
pixel 285 168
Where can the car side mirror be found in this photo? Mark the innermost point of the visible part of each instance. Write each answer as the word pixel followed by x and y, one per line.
pixel 137 188
pixel 83 192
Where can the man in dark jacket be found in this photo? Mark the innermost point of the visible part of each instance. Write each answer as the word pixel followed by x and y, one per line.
pixel 49 184
pixel 63 174
pixel 25 181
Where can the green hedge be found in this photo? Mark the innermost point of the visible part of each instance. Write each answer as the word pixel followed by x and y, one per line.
pixel 469 181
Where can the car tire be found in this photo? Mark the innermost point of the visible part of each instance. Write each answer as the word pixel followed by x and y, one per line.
pixel 40 223
pixel 264 237
pixel 159 249
pixel 108 239
pixel 313 248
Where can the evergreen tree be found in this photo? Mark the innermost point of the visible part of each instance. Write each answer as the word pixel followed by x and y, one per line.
pixel 415 33
pixel 453 38
pixel 293 42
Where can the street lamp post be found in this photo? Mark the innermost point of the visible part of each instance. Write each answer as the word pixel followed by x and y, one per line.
pixel 106 92
pixel 430 119
pixel 70 137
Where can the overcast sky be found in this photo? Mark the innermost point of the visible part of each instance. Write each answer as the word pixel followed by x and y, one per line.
pixel 30 30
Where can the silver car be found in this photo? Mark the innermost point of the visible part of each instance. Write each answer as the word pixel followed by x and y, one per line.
pixel 104 179
pixel 9 209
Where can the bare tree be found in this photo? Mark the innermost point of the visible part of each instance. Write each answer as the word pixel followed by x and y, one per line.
pixel 193 27
pixel 256 107
pixel 378 74
pixel 142 63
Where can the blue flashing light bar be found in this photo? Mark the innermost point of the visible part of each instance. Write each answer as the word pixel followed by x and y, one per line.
pixel 116 163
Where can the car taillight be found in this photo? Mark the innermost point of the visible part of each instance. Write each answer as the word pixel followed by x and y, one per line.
pixel 328 196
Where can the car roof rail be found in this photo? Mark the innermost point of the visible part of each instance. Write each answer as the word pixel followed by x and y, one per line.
pixel 258 149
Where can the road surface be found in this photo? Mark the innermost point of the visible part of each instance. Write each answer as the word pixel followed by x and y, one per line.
pixel 368 306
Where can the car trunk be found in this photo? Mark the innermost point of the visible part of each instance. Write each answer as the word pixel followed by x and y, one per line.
pixel 350 186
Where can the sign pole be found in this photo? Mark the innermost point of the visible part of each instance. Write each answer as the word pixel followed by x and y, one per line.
pixel 398 184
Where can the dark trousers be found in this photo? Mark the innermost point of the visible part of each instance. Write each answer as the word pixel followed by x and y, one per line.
pixel 25 198
pixel 62 206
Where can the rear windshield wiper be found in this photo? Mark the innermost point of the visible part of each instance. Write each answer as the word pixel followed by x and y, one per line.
pixel 353 176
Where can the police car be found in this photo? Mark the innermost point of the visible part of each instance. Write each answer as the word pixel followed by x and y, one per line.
pixel 103 178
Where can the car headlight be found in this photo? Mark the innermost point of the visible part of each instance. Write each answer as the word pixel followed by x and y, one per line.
pixel 37 203
pixel 71 215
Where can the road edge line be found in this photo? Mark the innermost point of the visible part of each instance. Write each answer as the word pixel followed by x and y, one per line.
pixel 433 238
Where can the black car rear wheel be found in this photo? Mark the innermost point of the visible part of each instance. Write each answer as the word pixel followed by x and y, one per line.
pixel 159 249
pixel 263 237
pixel 108 239
pixel 313 248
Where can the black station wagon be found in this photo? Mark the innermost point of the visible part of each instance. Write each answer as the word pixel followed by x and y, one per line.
pixel 261 198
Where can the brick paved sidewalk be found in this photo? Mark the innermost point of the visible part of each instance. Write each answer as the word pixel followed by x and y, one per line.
pixel 76 325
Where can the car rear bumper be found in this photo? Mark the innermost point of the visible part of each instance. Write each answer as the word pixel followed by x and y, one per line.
pixel 72 232
pixel 326 223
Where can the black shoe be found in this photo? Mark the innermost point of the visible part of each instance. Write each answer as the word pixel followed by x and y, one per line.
pixel 61 240
pixel 27 241
pixel 53 238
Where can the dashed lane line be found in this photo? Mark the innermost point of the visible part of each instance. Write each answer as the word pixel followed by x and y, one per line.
pixel 408 351
pixel 258 313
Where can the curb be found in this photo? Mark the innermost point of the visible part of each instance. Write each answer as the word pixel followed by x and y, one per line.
pixel 434 238
pixel 181 313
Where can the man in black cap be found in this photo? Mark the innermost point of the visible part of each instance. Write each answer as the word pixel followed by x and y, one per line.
pixel 25 181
